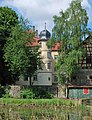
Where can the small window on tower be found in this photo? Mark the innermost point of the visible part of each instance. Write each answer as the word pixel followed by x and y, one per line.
pixel 49 65
pixel 49 55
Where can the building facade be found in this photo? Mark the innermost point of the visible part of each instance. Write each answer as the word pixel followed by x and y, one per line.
pixel 81 82
pixel 46 76
pixel 80 85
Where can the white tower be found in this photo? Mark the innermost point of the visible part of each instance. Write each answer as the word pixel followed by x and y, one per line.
pixel 44 76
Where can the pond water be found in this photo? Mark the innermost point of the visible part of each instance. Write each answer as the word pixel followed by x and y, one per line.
pixel 44 113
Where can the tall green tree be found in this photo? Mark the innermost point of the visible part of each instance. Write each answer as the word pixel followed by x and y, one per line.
pixel 70 28
pixel 8 19
pixel 19 56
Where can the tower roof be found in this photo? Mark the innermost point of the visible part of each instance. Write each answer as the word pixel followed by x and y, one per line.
pixel 45 34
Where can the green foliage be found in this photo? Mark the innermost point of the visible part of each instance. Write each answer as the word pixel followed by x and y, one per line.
pixel 27 93
pixel 6 92
pixel 70 28
pixel 42 102
pixel 41 93
pixel 19 56
pixel 30 93
pixel 8 19
pixel 2 91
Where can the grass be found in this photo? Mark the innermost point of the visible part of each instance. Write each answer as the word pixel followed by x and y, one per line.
pixel 56 102
pixel 55 109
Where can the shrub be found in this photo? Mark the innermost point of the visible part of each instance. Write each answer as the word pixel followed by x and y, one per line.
pixel 41 93
pixel 35 92
pixel 27 93
pixel 6 92
pixel 2 91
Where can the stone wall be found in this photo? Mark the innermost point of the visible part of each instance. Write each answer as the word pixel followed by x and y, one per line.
pixel 58 91
pixel 15 91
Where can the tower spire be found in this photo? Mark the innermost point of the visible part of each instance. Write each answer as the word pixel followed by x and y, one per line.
pixel 45 25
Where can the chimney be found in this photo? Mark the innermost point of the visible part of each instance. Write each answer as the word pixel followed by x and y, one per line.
pixel 36 33
pixel 33 28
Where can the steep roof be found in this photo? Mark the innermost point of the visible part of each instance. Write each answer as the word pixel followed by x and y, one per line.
pixel 56 46
pixel 35 42
pixel 44 34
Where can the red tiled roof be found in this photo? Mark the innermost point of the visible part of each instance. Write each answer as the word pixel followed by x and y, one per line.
pixel 35 41
pixel 56 46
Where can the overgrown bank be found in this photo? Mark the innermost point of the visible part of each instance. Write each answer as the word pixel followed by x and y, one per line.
pixel 37 102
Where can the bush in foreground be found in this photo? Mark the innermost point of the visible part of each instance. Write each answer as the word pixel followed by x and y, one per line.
pixel 31 93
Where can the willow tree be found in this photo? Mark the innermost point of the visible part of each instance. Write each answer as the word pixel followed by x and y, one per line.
pixel 70 28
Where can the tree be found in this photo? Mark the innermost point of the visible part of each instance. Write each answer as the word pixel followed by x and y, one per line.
pixel 8 19
pixel 70 28
pixel 19 56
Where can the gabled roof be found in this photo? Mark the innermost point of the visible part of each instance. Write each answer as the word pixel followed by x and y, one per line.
pixel 56 46
pixel 35 42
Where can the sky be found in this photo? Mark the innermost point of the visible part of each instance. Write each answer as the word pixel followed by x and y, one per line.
pixel 40 11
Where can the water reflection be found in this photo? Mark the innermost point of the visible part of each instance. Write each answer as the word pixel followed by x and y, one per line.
pixel 25 113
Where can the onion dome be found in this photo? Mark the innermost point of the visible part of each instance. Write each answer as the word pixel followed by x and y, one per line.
pixel 44 34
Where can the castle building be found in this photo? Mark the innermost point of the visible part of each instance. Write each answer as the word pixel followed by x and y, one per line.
pixel 46 76
pixel 81 82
